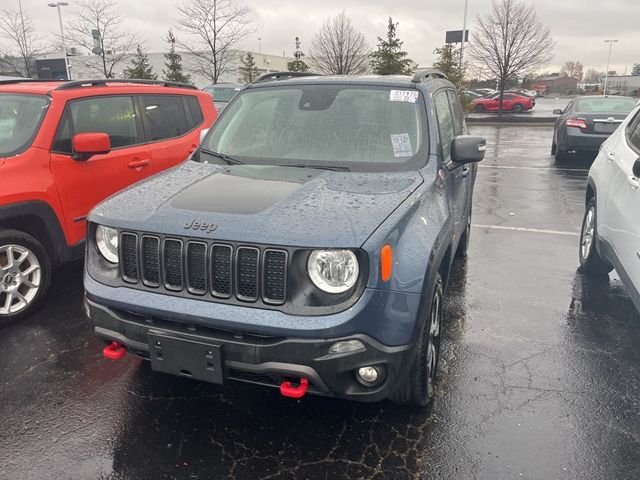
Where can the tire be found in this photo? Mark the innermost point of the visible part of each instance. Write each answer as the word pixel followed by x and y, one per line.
pixel 518 107
pixel 553 148
pixel 479 108
pixel 420 388
pixel 25 275
pixel 463 245
pixel 561 155
pixel 590 259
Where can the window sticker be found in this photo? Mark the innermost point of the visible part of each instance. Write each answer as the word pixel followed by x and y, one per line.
pixel 409 96
pixel 401 145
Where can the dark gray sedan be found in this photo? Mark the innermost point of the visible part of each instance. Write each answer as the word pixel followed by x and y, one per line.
pixel 587 122
pixel 222 93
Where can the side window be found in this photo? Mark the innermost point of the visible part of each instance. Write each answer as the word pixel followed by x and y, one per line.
pixel 194 109
pixel 634 133
pixel 165 116
pixel 62 142
pixel 113 115
pixel 458 115
pixel 506 96
pixel 445 123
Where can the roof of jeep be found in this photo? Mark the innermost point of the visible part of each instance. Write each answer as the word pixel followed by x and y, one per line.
pixel 378 80
pixel 90 87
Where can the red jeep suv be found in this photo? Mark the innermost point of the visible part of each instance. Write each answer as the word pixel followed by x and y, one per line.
pixel 64 147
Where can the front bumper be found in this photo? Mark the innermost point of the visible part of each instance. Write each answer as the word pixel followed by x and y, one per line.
pixel 265 360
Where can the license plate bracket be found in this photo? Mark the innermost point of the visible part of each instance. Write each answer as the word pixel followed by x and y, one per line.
pixel 186 357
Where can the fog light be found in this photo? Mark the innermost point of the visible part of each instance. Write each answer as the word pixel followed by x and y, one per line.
pixel 346 347
pixel 369 375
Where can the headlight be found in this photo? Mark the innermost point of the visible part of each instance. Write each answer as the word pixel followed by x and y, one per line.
pixel 107 243
pixel 333 271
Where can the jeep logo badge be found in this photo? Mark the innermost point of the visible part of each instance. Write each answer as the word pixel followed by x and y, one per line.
pixel 202 226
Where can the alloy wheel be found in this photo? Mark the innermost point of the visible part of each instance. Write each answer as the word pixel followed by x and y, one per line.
pixel 588 231
pixel 20 278
pixel 433 342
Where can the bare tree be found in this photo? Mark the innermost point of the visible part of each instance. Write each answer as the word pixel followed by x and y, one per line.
pixel 573 70
pixel 338 48
pixel 215 28
pixel 510 42
pixel 111 43
pixel 21 42
pixel 593 76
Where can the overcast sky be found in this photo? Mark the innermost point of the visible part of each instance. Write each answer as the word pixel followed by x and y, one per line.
pixel 579 26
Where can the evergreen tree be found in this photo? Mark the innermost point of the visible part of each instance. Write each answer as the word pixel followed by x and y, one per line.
pixel 174 72
pixel 247 70
pixel 448 62
pixel 298 65
pixel 140 67
pixel 390 59
pixel 636 69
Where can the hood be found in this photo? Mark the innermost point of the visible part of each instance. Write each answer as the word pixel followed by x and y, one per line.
pixel 260 204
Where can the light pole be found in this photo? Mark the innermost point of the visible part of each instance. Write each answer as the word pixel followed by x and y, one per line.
pixel 64 45
pixel 606 75
pixel 259 44
pixel 464 28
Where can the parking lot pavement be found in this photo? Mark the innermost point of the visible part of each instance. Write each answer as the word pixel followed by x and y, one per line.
pixel 539 377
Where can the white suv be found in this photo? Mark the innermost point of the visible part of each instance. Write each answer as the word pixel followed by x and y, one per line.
pixel 611 226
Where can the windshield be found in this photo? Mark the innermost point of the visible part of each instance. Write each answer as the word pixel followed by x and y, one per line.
pixel 20 117
pixel 333 126
pixel 606 105
pixel 222 94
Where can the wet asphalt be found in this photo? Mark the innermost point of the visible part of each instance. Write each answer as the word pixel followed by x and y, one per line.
pixel 539 377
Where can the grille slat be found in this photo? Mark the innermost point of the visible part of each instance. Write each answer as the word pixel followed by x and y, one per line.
pixel 150 261
pixel 129 247
pixel 221 280
pixel 173 276
pixel 247 273
pixel 184 266
pixel 275 276
pixel 197 268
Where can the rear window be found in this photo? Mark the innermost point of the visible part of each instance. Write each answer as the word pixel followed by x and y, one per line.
pixel 605 105
pixel 355 127
pixel 165 116
pixel 20 119
pixel 195 111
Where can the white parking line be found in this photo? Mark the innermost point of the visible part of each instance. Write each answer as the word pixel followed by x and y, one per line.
pixel 514 167
pixel 531 230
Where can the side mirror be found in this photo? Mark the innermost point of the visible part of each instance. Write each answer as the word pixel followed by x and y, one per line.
pixel 203 133
pixel 636 168
pixel 557 111
pixel 468 149
pixel 86 145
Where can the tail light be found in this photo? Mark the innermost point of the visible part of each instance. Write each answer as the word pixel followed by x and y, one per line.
pixel 577 122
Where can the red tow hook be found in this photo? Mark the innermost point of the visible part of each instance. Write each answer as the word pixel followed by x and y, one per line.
pixel 114 351
pixel 288 390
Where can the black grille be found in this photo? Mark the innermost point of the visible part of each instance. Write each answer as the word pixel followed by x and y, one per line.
pixel 245 273
pixel 151 261
pixel 275 275
pixel 221 270
pixel 197 267
pixel 173 264
pixel 129 257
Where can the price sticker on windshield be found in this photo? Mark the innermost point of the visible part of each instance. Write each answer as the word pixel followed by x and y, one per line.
pixel 408 96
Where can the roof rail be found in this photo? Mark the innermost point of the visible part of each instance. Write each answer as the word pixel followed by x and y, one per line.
pixel 284 76
pixel 423 73
pixel 26 80
pixel 105 81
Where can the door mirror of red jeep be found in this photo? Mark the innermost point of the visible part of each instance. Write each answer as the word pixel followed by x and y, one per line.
pixel 86 145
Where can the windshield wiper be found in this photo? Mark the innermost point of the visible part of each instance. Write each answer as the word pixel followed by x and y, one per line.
pixel 222 156
pixel 335 168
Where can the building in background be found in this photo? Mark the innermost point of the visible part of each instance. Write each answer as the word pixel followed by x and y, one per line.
pixel 624 85
pixel 51 66
pixel 555 84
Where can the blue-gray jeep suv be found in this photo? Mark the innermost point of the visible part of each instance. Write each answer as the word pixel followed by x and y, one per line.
pixel 305 245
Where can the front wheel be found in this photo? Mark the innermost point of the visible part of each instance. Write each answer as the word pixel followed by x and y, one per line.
pixel 419 389
pixel 590 259
pixel 25 270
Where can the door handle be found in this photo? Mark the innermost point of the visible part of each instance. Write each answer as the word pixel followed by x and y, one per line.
pixel 138 163
pixel 633 181
pixel 465 171
pixel 192 148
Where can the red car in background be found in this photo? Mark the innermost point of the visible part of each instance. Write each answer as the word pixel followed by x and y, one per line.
pixel 511 102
